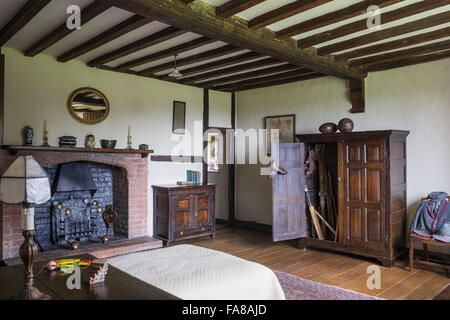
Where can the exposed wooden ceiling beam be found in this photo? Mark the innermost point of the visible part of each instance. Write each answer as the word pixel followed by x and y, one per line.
pixel 395 44
pixel 274 82
pixel 111 34
pixel 25 14
pixel 278 76
pixel 166 53
pixel 360 25
pixel 332 17
pixel 284 12
pixel 232 7
pixel 250 75
pixel 207 55
pixel 248 56
pixel 155 38
pixel 239 68
pixel 429 48
pixel 427 22
pixel 408 61
pixel 357 96
pixel 87 14
pixel 199 17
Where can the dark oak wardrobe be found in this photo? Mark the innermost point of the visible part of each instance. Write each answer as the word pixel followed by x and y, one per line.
pixel 368 172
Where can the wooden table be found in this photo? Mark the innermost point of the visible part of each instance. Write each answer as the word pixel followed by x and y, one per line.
pixel 117 286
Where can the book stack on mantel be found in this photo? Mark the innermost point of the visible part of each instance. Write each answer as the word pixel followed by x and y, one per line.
pixel 68 141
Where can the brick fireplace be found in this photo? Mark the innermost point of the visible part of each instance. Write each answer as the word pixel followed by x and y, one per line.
pixel 127 170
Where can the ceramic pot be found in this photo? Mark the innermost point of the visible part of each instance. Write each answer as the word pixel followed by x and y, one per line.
pixel 346 125
pixel 28 134
pixel 328 127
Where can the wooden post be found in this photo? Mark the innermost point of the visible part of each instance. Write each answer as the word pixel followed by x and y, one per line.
pixel 232 169
pixel 2 95
pixel 205 128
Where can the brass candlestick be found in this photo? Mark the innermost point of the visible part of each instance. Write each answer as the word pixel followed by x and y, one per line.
pixel 45 139
pixel 28 251
pixel 129 146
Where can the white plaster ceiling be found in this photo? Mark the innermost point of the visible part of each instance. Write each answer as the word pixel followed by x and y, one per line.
pixel 54 14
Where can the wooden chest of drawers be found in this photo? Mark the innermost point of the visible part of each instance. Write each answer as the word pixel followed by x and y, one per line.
pixel 183 212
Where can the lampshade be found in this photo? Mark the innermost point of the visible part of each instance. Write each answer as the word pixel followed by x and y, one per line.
pixel 175 73
pixel 24 182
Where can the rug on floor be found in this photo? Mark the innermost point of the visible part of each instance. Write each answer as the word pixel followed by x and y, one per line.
pixel 296 288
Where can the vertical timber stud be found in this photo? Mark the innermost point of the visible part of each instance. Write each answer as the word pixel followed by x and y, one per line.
pixel 357 96
pixel 232 168
pixel 205 128
pixel 2 121
pixel 2 96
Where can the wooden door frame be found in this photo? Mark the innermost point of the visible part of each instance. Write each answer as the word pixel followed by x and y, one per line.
pixel 231 167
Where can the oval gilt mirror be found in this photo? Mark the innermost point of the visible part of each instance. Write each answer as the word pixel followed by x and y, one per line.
pixel 88 106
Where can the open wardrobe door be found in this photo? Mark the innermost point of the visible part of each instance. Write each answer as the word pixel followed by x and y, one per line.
pixel 288 191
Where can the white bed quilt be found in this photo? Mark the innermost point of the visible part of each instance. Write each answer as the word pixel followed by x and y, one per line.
pixel 194 273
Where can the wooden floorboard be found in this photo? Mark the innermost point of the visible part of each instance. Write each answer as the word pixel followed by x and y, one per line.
pixel 340 270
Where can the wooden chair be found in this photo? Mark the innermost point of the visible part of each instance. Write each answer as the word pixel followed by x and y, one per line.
pixel 425 261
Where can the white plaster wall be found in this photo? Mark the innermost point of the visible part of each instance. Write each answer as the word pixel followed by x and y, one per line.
pixel 415 98
pixel 219 109
pixel 37 89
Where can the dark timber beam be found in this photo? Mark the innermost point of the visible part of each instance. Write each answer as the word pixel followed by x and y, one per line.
pixel 232 170
pixel 155 38
pixel 284 12
pixel 408 61
pixel 205 128
pixel 211 54
pixel 276 82
pixel 332 17
pixel 2 96
pixel 232 7
pixel 417 25
pixel 200 18
pixel 250 75
pixel 262 80
pixel 196 43
pixel 360 25
pixel 357 96
pixel 115 32
pixel 395 44
pixel 234 69
pixel 218 64
pixel 25 14
pixel 430 48
pixel 87 14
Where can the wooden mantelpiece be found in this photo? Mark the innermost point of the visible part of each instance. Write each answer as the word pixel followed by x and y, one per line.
pixel 14 149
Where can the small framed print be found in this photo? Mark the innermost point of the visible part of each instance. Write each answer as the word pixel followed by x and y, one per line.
pixel 286 126
pixel 179 117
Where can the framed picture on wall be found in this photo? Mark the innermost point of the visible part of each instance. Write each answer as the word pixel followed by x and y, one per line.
pixel 179 117
pixel 286 126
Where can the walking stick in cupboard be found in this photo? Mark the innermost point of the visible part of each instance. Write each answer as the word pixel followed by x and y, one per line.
pixel 312 210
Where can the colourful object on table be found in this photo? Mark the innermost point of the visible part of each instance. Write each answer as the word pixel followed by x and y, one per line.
pixel 52 265
pixel 68 263
pixel 99 275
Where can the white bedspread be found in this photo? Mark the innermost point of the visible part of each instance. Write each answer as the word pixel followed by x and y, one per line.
pixel 194 273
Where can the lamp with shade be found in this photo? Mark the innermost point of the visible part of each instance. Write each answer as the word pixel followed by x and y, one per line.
pixel 26 182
